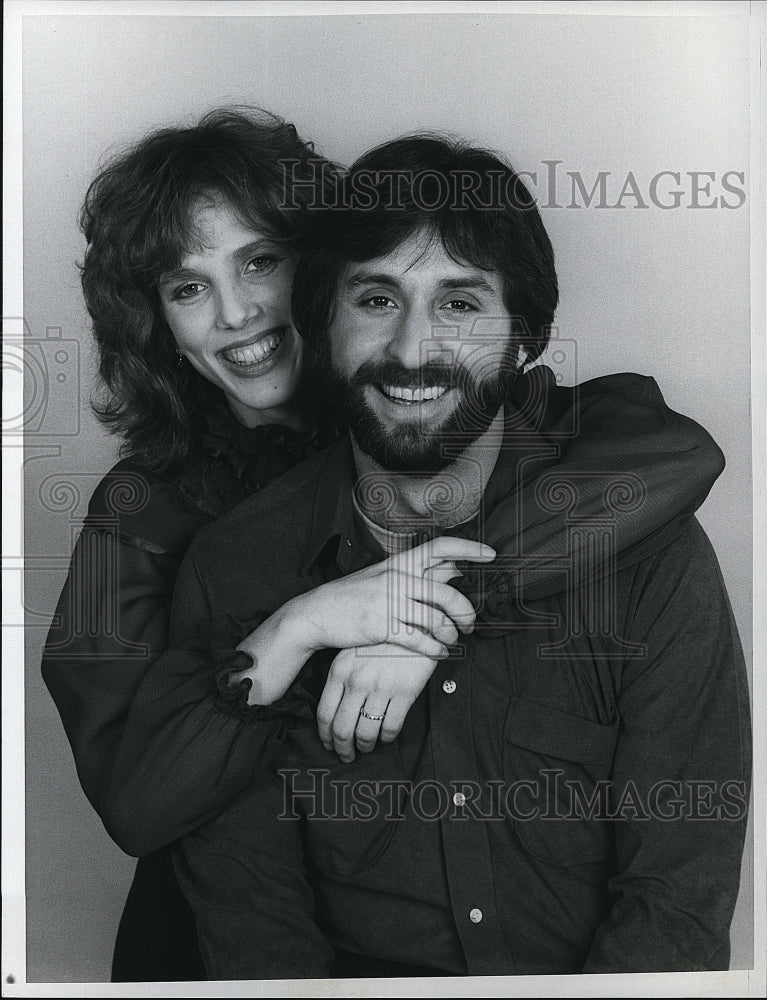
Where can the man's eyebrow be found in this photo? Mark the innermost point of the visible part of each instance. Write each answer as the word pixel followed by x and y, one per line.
pixel 475 282
pixel 447 284
pixel 371 278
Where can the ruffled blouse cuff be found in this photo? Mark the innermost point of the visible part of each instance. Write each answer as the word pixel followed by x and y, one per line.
pixel 232 699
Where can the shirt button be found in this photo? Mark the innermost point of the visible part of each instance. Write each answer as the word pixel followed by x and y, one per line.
pixel 449 686
pixel 460 800
pixel 475 916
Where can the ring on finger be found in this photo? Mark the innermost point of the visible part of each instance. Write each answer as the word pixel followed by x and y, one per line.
pixel 373 718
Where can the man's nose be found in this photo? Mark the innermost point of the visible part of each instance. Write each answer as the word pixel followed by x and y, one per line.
pixel 236 305
pixel 416 339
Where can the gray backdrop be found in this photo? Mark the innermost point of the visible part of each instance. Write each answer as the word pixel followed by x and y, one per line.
pixel 656 290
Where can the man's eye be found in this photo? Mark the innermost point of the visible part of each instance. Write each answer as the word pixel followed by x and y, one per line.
pixel 379 302
pixel 460 305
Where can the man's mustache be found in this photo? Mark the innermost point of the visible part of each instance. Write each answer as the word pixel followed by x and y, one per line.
pixel 424 377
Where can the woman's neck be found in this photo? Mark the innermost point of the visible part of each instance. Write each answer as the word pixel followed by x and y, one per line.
pixel 295 417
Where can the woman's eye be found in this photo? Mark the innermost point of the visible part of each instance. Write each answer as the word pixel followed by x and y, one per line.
pixel 264 262
pixel 189 290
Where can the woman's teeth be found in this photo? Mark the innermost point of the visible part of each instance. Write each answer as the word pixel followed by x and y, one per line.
pixel 413 395
pixel 253 353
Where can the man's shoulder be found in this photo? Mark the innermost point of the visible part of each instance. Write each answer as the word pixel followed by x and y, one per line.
pixel 686 567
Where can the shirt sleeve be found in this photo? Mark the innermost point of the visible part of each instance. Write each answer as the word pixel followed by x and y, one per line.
pixel 681 772
pixel 190 744
pixel 254 909
pixel 160 740
pixel 619 455
pixel 111 621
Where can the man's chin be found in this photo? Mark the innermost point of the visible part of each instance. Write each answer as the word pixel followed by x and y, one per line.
pixel 409 447
pixel 402 456
pixel 422 444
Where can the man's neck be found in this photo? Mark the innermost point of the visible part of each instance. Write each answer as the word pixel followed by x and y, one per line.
pixel 400 502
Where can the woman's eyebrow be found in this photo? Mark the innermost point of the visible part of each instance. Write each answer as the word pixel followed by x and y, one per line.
pixel 179 274
pixel 251 249
pixel 240 255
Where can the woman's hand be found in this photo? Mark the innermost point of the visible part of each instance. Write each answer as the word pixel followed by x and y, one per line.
pixel 405 600
pixel 382 681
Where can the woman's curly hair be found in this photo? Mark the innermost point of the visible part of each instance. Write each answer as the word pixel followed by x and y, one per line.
pixel 138 220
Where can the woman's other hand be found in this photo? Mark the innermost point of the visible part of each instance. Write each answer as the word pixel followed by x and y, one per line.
pixel 367 695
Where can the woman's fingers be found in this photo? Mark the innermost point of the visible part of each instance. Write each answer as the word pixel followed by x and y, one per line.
pixel 442 572
pixel 396 713
pixel 442 549
pixel 327 708
pixel 419 641
pixel 443 597
pixel 431 620
pixel 372 714
pixel 345 724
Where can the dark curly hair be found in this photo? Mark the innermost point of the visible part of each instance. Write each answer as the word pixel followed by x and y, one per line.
pixel 468 198
pixel 138 221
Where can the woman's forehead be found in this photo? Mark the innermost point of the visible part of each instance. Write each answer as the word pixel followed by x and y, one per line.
pixel 212 221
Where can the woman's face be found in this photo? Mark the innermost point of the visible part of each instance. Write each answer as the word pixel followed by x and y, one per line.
pixel 228 307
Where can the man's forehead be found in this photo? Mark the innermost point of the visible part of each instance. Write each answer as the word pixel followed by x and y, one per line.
pixel 421 257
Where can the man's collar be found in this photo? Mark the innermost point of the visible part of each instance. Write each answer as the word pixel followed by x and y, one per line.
pixel 336 532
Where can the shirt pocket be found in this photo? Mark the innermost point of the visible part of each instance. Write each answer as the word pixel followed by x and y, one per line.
pixel 557 770
pixel 354 809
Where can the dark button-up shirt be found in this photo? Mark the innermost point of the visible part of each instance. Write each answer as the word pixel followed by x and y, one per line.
pixel 568 793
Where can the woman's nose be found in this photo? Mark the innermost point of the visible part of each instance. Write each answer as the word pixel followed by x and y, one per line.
pixel 237 305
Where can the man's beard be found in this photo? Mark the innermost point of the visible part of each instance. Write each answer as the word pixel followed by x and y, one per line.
pixel 416 447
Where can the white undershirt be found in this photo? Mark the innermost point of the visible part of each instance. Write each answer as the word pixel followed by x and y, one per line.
pixel 393 542
pixel 390 541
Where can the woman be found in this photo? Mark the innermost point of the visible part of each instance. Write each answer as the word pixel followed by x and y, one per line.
pixel 192 244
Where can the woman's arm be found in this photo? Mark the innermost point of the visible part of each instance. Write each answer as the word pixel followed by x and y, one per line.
pixel 111 621
pixel 619 459
pixel 405 600
pixel 191 741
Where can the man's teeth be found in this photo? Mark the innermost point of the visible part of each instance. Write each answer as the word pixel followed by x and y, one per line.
pixel 414 395
pixel 254 353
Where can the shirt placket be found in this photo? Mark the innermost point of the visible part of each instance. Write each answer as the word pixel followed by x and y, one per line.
pixel 464 837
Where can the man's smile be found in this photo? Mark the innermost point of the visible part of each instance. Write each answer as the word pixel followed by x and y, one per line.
pixel 396 402
pixel 408 396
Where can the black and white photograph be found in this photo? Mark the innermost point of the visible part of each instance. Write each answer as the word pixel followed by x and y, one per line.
pixel 384 478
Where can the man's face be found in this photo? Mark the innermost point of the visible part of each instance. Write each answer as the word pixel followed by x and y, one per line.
pixel 421 356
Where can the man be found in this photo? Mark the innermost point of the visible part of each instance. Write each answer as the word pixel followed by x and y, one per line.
pixel 569 792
